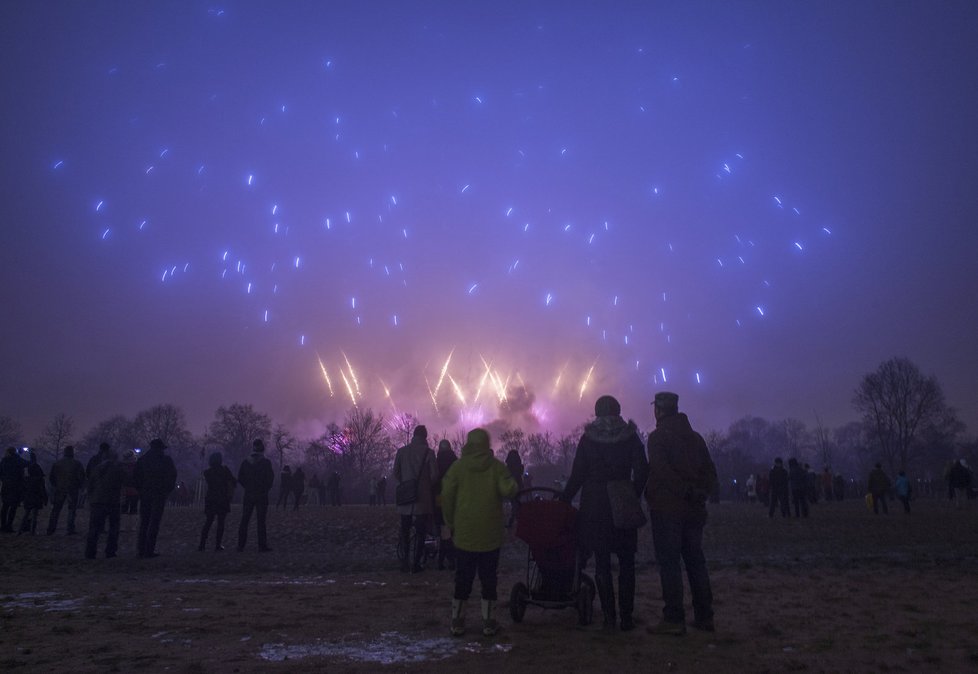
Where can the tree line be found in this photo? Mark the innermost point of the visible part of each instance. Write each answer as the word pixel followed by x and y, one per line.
pixel 905 424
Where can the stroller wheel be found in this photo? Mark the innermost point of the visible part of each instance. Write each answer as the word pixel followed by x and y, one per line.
pixel 517 602
pixel 585 601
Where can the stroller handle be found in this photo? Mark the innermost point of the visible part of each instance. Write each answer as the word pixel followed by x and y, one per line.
pixel 557 493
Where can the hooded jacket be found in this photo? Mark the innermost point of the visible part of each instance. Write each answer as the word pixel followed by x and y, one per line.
pixel 681 473
pixel 472 495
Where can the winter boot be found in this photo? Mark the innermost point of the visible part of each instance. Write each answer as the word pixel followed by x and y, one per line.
pixel 489 624
pixel 458 617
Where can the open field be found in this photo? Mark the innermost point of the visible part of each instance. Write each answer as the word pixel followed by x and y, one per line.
pixel 841 591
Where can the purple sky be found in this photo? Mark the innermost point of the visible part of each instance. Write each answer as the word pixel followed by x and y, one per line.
pixel 751 204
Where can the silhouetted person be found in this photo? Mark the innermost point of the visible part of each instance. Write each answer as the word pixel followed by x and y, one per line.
pixel 839 487
pixel 416 461
pixel 11 488
pixel 610 449
pixel 103 451
pixel 255 476
pixel 155 477
pixel 320 487
pixel 382 490
pixel 35 495
pixel 67 477
pixel 777 481
pixel 130 495
pixel 284 487
pixel 959 480
pixel 372 491
pixel 104 504
pixel 217 502
pixel 333 487
pixel 446 550
pixel 298 486
pixel 514 464
pixel 878 484
pixel 798 481
pixel 903 490
pixel 681 478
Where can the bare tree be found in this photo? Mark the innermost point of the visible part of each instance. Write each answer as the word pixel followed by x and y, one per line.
pixel 823 444
pixel 284 442
pixel 118 431
pixel 10 432
pixel 368 447
pixel 166 422
pixel 566 448
pixel 57 434
pixel 896 401
pixel 541 449
pixel 235 428
pixel 402 427
pixel 796 437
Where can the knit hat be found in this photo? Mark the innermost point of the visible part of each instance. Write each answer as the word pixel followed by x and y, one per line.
pixel 607 406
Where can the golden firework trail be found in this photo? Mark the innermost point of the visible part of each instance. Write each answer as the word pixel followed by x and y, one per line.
pixel 353 375
pixel 349 388
pixel 322 367
pixel 434 401
pixel 387 392
pixel 587 378
pixel 557 381
pixel 444 370
pixel 458 390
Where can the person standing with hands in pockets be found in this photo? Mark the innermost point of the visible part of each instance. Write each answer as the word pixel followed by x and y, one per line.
pixel 681 478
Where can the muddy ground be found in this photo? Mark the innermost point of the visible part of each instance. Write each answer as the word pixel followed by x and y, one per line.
pixel 841 591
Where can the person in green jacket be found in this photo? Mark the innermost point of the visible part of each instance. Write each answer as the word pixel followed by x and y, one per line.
pixel 473 491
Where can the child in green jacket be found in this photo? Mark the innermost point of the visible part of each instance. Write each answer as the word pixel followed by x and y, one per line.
pixel 473 491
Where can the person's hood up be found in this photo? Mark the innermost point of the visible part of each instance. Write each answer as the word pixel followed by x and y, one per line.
pixel 610 429
pixel 476 453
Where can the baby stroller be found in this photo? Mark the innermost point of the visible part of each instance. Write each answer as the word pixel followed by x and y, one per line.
pixel 553 571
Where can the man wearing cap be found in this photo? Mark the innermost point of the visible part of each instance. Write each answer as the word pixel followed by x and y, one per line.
pixel 155 477
pixel 681 477
pixel 416 461
pixel 255 476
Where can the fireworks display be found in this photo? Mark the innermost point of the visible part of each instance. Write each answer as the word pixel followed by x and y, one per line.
pixel 426 208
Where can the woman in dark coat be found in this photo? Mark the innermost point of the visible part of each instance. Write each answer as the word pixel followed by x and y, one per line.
pixel 220 488
pixel 515 465
pixel 610 449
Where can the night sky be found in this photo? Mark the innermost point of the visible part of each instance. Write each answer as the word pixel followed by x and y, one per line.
pixel 751 204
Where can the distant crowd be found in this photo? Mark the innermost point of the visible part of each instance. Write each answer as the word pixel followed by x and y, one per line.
pixel 798 486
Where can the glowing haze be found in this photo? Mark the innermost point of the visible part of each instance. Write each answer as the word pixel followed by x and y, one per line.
pixel 467 211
